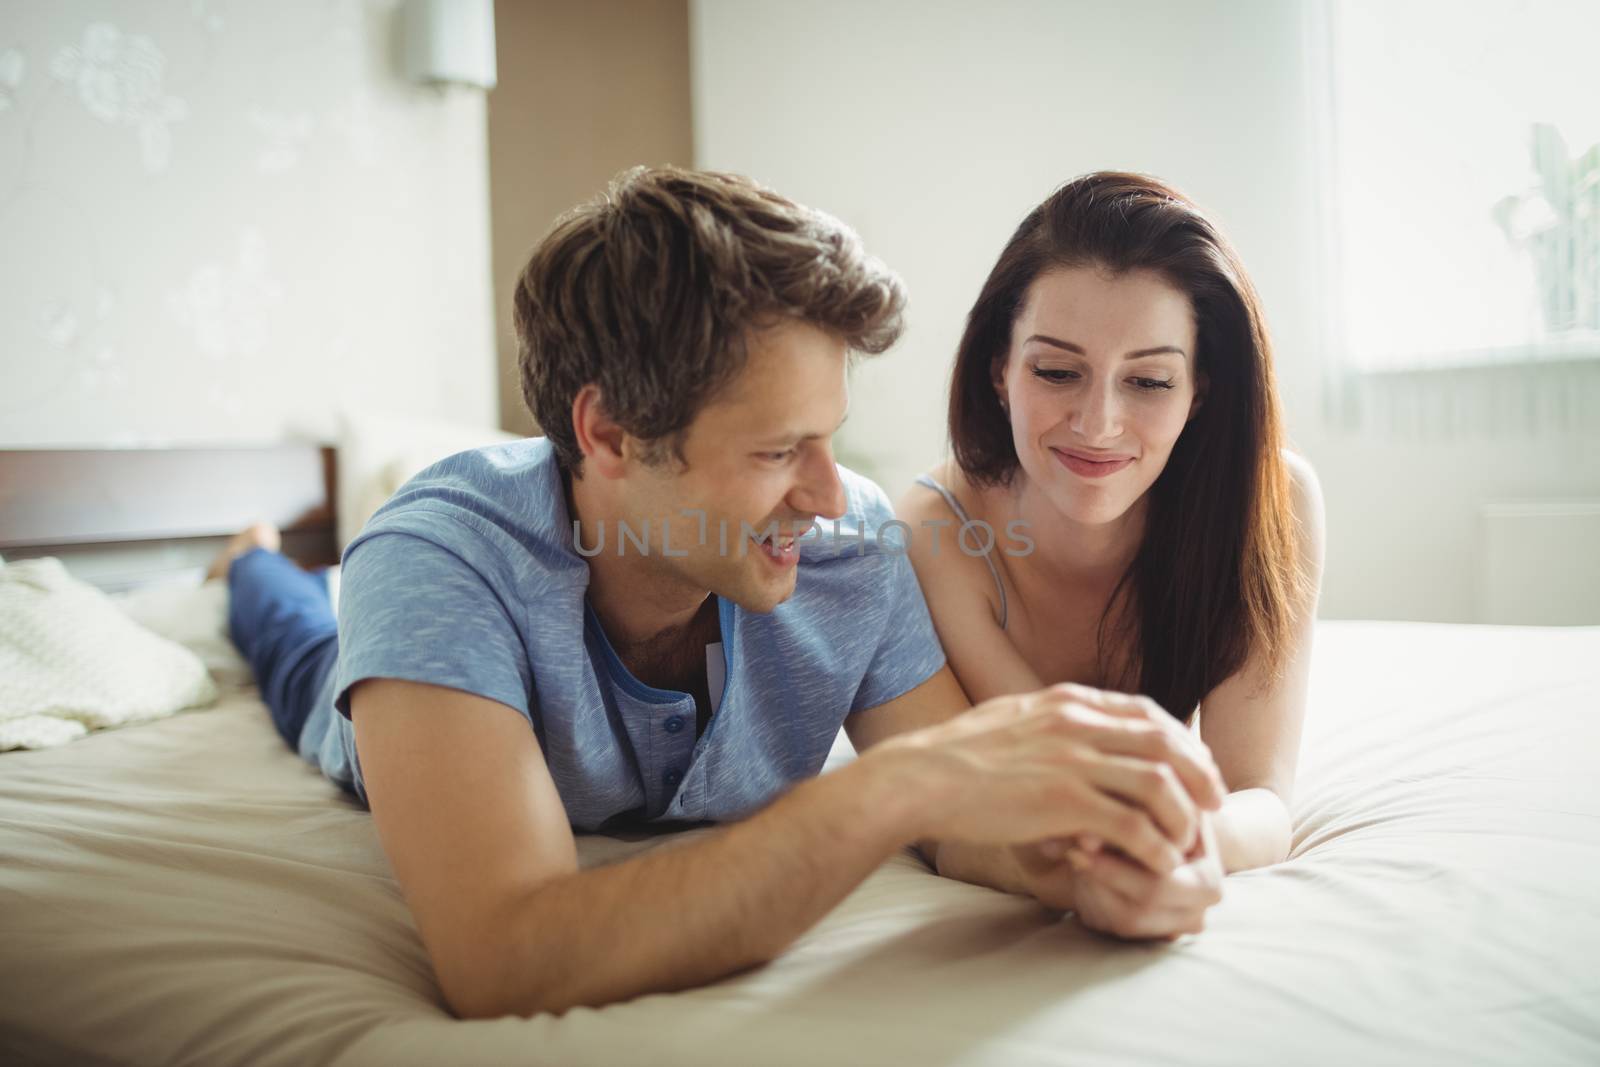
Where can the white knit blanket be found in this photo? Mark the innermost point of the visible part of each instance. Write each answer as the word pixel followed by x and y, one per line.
pixel 71 661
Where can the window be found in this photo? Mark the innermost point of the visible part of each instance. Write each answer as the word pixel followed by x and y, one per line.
pixel 1464 154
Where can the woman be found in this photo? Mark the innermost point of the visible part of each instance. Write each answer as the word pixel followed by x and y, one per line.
pixel 1113 394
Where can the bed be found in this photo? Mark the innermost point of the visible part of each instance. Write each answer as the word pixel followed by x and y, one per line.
pixel 187 891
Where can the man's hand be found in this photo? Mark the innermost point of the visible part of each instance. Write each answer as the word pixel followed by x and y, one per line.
pixel 1155 720
pixel 1115 896
pixel 1058 763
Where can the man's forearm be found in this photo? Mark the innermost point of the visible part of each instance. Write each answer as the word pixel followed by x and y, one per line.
pixel 683 916
pixel 1253 830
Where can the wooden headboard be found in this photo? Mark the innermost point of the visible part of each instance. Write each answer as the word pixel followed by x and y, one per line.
pixel 119 516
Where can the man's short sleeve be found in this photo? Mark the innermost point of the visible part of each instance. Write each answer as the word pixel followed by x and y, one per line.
pixel 414 610
pixel 908 652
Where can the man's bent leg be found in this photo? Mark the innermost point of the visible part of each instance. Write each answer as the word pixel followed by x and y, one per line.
pixel 283 623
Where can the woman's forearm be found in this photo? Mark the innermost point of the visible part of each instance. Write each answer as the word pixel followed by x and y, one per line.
pixel 994 866
pixel 1253 830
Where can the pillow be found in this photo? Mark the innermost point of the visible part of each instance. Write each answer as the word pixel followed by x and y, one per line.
pixel 193 614
pixel 70 661
pixel 377 454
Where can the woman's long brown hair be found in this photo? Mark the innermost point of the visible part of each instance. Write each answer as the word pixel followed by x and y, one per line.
pixel 1219 574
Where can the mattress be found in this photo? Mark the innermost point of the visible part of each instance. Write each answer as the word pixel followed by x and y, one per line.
pixel 188 892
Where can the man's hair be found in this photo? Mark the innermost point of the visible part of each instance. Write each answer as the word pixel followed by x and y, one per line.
pixel 652 291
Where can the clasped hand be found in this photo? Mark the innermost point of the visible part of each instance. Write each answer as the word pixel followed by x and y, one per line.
pixel 1113 895
pixel 1111 892
pixel 1112 776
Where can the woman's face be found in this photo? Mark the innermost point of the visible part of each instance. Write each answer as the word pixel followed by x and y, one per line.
pixel 1099 382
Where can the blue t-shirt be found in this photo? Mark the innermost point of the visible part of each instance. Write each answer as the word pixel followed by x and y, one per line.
pixel 468 578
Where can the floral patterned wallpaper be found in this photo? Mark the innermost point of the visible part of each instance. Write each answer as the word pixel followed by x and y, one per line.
pixel 223 220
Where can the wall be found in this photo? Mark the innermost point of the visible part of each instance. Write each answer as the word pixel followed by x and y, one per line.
pixel 585 90
pixel 220 221
pixel 933 127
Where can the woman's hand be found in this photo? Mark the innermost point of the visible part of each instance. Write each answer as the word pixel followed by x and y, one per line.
pixel 1044 873
pixel 1116 896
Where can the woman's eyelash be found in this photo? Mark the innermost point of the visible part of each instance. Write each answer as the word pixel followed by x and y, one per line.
pixel 1059 376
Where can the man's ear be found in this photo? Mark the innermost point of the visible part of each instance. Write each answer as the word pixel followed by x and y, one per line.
pixel 600 439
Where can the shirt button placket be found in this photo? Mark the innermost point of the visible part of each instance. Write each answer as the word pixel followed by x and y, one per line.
pixel 674 725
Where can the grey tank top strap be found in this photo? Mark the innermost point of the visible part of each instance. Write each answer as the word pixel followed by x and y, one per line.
pixel 961 513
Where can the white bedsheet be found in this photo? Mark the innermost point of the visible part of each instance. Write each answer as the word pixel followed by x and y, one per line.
pixel 187 891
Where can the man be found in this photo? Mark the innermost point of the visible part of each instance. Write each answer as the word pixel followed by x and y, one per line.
pixel 631 620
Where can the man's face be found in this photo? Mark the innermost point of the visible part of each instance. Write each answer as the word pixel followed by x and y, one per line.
pixel 759 465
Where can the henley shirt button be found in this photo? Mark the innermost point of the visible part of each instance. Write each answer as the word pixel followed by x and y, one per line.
pixel 672 777
pixel 673 724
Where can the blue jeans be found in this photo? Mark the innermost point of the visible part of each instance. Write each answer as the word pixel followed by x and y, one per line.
pixel 283 622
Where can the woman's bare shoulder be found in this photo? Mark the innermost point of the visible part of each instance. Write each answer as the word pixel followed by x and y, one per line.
pixel 1309 509
pixel 1305 495
pixel 1304 484
pixel 950 578
pixel 927 503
